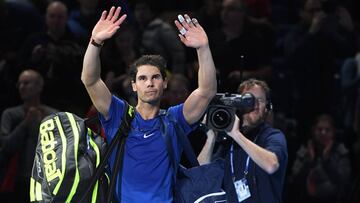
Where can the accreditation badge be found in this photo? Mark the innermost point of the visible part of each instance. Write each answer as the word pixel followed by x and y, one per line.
pixel 242 189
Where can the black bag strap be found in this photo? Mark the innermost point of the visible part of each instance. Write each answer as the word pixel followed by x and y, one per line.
pixel 120 137
pixel 170 149
pixel 183 139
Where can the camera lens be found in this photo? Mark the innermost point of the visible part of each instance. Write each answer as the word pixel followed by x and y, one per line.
pixel 220 118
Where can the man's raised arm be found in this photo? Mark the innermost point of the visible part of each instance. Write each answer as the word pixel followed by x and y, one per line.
pixel 104 29
pixel 193 35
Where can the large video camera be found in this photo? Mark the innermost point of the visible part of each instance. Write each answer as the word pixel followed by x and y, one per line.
pixel 223 107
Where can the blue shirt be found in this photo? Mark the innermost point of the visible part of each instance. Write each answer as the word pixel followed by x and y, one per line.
pixel 263 186
pixel 147 174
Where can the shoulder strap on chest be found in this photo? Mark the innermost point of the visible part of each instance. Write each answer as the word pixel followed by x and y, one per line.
pixel 182 138
pixel 120 137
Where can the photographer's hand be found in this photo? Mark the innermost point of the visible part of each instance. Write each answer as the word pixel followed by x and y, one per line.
pixel 234 132
pixel 205 155
pixel 264 158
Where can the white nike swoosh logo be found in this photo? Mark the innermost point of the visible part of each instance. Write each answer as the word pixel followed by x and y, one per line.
pixel 149 135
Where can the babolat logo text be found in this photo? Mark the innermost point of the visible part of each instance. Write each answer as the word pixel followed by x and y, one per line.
pixel 47 146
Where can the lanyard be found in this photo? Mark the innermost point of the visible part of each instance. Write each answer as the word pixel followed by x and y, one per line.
pixel 232 161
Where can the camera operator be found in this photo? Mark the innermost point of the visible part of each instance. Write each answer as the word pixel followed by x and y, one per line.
pixel 256 161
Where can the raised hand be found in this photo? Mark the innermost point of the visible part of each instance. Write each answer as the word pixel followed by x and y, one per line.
pixel 108 24
pixel 191 32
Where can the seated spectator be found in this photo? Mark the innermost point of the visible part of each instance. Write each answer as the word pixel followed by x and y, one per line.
pixel 322 170
pixel 57 56
pixel 13 31
pixel 19 136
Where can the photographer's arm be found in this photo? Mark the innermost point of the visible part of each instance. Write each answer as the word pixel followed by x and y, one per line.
pixel 205 155
pixel 267 160
pixel 90 76
pixel 195 36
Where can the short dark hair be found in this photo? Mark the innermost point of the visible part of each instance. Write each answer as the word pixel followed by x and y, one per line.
pixel 153 60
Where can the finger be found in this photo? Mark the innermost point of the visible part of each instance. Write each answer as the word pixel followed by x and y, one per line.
pixel 181 19
pixel 188 20
pixel 120 20
pixel 179 26
pixel 182 38
pixel 116 15
pixel 195 22
pixel 111 13
pixel 103 15
pixel 183 22
pixel 183 31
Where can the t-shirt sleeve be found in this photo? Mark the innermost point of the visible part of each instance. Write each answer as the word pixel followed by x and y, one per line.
pixel 177 112
pixel 112 124
pixel 276 143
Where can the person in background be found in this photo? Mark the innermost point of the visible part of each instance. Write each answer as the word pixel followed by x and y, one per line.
pixel 255 164
pixel 19 134
pixel 56 55
pixel 322 167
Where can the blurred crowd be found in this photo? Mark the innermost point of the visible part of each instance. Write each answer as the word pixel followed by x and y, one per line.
pixel 308 51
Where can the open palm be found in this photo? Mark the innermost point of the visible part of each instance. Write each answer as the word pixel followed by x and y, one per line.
pixel 108 24
pixel 195 35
